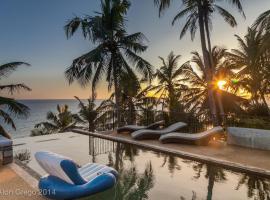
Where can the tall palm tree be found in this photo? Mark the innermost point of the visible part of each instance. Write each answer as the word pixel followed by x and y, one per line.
pixel 61 122
pixel 9 107
pixel 88 112
pixel 199 14
pixel 170 84
pixel 196 97
pixel 115 49
pixel 252 60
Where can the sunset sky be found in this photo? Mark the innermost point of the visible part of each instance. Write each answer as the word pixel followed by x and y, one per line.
pixel 32 31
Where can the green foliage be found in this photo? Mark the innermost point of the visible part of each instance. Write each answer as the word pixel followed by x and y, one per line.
pixel 116 51
pixel 63 121
pixel 88 112
pixel 9 107
pixel 23 155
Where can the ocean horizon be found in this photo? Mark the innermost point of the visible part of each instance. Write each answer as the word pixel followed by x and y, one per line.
pixel 38 112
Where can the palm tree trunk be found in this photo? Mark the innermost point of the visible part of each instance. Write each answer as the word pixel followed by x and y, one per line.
pixel 207 65
pixel 219 102
pixel 116 90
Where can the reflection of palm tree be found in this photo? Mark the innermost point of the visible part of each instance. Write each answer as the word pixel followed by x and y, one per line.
pixel 213 174
pixel 133 186
pixel 130 186
pixel 258 187
pixel 172 163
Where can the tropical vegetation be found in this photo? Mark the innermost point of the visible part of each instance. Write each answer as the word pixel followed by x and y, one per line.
pixel 116 51
pixel 60 122
pixel 9 107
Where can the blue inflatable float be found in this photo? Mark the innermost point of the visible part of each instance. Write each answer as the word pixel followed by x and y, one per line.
pixel 65 180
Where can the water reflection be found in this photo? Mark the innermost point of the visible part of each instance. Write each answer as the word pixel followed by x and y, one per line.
pixel 147 175
pixel 214 175
pixel 257 187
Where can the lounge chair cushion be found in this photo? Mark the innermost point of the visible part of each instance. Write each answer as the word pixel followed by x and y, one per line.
pixel 132 128
pixel 197 138
pixel 153 134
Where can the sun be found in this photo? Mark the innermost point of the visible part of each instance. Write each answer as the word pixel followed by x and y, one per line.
pixel 221 84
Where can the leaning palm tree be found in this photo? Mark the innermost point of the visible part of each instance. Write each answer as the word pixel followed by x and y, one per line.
pixel 199 14
pixel 9 107
pixel 116 50
pixel 170 84
pixel 61 122
pixel 252 61
pixel 88 112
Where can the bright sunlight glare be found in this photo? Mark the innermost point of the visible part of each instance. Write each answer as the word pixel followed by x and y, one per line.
pixel 221 84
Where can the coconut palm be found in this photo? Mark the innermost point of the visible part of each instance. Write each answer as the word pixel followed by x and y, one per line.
pixel 88 112
pixel 199 14
pixel 252 60
pixel 263 21
pixel 116 51
pixel 9 107
pixel 61 122
pixel 196 96
pixel 170 84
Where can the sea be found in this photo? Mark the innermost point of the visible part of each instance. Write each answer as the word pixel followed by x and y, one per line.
pixel 38 112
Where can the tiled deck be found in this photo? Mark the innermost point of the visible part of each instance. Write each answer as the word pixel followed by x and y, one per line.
pixel 13 186
pixel 232 157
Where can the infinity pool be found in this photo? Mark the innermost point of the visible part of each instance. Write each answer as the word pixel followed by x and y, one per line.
pixel 146 175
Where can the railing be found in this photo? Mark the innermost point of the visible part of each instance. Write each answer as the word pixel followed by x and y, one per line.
pixel 107 120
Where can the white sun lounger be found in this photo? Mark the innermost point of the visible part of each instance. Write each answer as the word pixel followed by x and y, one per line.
pixel 202 138
pixel 132 128
pixel 155 134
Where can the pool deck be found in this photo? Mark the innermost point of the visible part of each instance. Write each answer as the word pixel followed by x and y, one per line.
pixel 16 183
pixel 228 156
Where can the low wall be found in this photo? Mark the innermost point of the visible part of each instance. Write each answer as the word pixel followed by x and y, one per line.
pixel 248 137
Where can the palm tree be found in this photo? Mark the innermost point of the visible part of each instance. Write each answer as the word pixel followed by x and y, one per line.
pixel 199 14
pixel 169 81
pixel 61 122
pixel 88 112
pixel 9 107
pixel 115 49
pixel 196 97
pixel 252 61
pixel 170 84
pixel 263 21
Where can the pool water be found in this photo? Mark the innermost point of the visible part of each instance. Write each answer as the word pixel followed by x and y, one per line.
pixel 145 174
